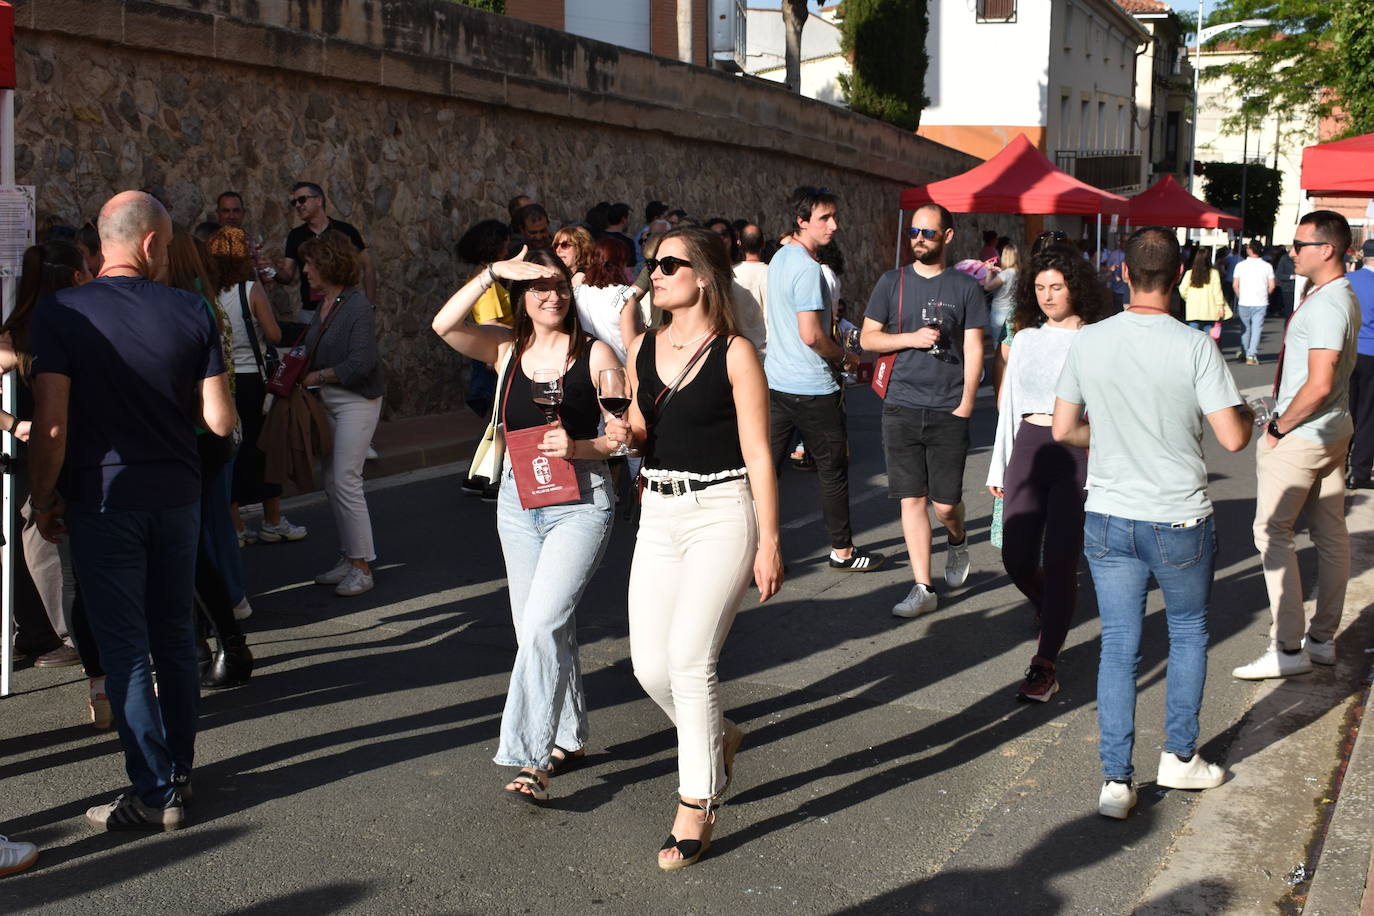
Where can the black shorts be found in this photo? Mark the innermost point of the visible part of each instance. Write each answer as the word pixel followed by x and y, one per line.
pixel 925 451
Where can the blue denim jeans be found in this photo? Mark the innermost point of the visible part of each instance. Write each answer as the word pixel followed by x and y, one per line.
pixel 1123 554
pixel 1252 322
pixel 550 554
pixel 137 574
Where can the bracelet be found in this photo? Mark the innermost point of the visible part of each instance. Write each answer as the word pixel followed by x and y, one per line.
pixel 491 274
pixel 49 507
pixel 13 426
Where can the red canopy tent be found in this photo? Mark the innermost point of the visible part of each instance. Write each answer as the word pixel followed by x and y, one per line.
pixel 1166 203
pixel 1019 179
pixel 1343 168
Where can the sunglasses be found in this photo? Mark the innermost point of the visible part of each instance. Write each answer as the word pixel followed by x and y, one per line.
pixel 563 244
pixel 1299 246
pixel 298 201
pixel 929 235
pixel 1052 234
pixel 668 265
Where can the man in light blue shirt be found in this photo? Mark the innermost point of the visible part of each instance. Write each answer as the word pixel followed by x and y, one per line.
pixel 1362 381
pixel 802 366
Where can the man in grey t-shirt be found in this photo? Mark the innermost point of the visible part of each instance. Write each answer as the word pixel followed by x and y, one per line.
pixel 1146 381
pixel 1301 462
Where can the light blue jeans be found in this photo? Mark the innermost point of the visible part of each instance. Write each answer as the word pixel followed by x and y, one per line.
pixel 550 554
pixel 1123 554
pixel 1252 326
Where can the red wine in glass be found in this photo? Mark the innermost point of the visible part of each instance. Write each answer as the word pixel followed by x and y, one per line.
pixel 613 391
pixel 616 406
pixel 546 389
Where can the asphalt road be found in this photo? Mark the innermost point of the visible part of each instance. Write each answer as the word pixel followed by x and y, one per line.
pixel 886 767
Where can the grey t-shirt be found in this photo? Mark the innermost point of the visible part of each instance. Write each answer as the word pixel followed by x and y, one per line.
pixel 1146 381
pixel 920 379
pixel 1328 319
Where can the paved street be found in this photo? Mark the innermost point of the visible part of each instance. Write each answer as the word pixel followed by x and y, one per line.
pixel 886 768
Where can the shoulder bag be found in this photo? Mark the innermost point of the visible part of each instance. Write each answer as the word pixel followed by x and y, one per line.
pixel 882 369
pixel 293 364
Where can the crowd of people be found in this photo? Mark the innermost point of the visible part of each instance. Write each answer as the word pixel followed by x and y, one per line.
pixel 691 358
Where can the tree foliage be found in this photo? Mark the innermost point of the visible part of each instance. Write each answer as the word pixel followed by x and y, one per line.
pixel 1263 187
pixel 885 42
pixel 1311 63
pixel 491 6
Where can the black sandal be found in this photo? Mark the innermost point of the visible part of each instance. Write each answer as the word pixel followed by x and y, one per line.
pixel 690 850
pixel 568 762
pixel 538 793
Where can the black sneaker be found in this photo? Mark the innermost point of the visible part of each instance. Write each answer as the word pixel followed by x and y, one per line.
pixel 859 561
pixel 128 812
pixel 473 486
pixel 182 783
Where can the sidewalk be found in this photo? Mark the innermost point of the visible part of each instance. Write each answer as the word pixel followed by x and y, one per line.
pixel 422 442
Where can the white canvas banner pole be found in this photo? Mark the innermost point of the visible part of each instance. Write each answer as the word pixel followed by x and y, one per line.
pixel 9 403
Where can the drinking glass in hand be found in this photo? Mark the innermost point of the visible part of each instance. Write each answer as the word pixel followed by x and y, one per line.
pixel 930 316
pixel 546 388
pixel 613 390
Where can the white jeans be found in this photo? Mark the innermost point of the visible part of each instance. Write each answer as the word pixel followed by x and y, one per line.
pixel 693 560
pixel 352 419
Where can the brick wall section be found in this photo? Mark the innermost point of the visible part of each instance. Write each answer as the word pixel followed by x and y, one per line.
pixel 420 119
pixel 548 13
pixel 663 28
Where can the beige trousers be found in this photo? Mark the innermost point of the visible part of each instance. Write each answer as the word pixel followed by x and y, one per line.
pixel 1295 477
pixel 693 560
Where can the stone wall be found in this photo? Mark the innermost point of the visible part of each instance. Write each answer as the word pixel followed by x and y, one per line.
pixel 419 119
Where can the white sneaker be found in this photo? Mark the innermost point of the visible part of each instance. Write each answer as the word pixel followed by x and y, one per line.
pixel 243 610
pixel 283 530
pixel 371 452
pixel 1321 653
pixel 16 856
pixel 956 564
pixel 1274 663
pixel 247 536
pixel 1195 774
pixel 1116 800
pixel 920 600
pixel 335 575
pixel 355 583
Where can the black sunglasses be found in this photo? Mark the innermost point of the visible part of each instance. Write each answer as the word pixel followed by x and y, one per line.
pixel 1299 246
pixel 297 201
pixel 929 235
pixel 668 265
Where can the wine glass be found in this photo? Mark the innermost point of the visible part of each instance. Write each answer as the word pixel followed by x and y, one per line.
pixel 613 390
pixel 546 389
pixel 930 315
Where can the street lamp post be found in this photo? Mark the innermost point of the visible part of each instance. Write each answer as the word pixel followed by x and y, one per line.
pixel 1203 36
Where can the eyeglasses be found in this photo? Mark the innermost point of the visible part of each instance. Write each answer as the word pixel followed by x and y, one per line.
pixel 300 201
pixel 1299 246
pixel 562 291
pixel 929 235
pixel 668 265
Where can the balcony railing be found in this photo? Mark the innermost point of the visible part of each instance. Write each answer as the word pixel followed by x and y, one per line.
pixel 1113 170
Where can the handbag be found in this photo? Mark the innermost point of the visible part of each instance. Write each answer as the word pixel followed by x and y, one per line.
pixel 491 451
pixel 539 479
pixel 1215 331
pixel 294 363
pixel 882 369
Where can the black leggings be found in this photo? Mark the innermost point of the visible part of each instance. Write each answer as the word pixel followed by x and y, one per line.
pixel 1042 511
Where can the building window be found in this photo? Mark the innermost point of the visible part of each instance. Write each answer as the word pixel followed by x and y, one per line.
pixel 996 10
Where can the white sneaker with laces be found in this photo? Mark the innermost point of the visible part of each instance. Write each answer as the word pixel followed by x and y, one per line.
pixel 1116 800
pixel 335 575
pixel 355 583
pixel 920 600
pixel 1321 653
pixel 16 856
pixel 956 564
pixel 283 530
pixel 243 610
pixel 1274 663
pixel 1195 774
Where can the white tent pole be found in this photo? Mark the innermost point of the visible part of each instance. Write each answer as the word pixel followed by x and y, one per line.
pixel 1099 238
pixel 901 224
pixel 8 554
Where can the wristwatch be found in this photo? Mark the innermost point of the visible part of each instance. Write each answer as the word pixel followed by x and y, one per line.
pixel 1273 428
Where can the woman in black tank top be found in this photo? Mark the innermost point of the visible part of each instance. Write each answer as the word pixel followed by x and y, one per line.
pixel 550 552
pixel 709 522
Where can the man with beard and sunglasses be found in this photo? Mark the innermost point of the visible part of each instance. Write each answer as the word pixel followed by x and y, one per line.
pixel 932 317
pixel 307 199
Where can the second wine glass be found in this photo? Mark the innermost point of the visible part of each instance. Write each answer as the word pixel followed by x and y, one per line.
pixel 613 390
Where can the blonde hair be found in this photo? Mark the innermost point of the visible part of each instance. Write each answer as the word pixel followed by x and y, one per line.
pixel 582 241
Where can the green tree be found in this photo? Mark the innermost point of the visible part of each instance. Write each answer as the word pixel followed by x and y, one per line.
pixel 885 42
pixel 491 6
pixel 1311 63
pixel 1262 193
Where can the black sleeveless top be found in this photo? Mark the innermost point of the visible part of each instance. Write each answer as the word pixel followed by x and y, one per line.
pixel 580 411
pixel 698 431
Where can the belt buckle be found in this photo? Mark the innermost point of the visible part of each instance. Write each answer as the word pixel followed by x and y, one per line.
pixel 676 486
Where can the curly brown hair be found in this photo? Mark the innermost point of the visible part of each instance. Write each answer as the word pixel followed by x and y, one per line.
pixel 1091 300
pixel 334 257
pixel 231 261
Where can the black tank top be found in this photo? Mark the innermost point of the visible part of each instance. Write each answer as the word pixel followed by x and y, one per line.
pixel 580 412
pixel 698 431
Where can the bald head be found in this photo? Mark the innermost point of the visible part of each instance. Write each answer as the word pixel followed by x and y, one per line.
pixel 130 217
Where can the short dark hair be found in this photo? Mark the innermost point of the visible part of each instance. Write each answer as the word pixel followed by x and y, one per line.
pixel 89 236
pixel 654 209
pixel 618 213
pixel 484 243
pixel 334 258
pixel 527 213
pixel 312 188
pixel 1257 248
pixel 514 204
pixel 1152 257
pixel 803 200
pixel 1330 227
pixel 751 240
pixel 989 236
pixel 946 218
pixel 234 194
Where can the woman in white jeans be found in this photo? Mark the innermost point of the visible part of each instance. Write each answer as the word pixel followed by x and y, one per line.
pixel 346 371
pixel 709 522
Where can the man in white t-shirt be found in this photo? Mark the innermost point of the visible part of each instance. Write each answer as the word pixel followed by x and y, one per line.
pixel 752 272
pixel 1253 282
pixel 1146 381
pixel 1301 461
